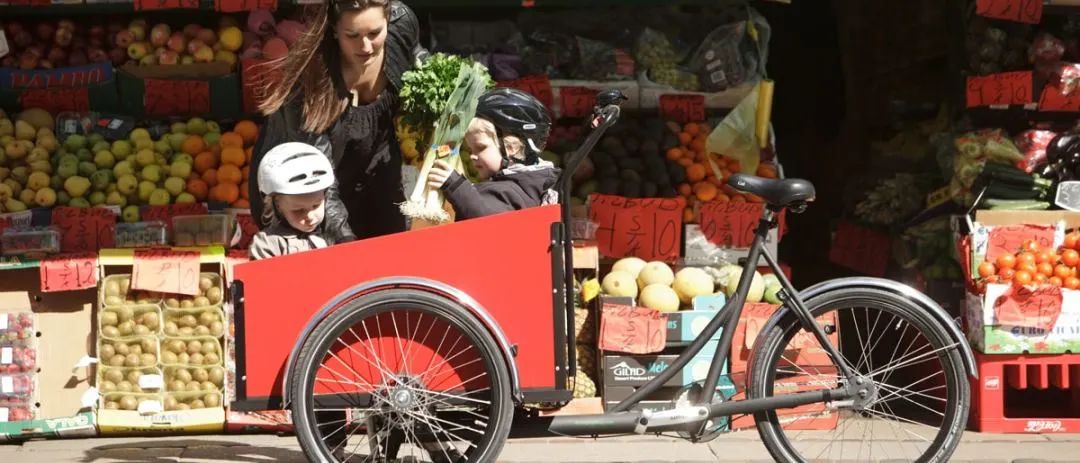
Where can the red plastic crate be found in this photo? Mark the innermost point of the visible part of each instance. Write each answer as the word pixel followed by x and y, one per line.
pixel 1033 394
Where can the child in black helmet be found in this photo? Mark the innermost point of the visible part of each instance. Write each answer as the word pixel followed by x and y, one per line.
pixel 505 138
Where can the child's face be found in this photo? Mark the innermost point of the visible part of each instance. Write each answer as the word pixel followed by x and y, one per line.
pixel 486 157
pixel 303 212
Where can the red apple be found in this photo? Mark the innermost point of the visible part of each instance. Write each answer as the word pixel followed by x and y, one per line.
pixel 118 56
pixel 166 56
pixel 138 50
pixel 57 55
pixel 160 34
pixel 45 31
pixel 191 31
pixel 177 42
pixel 29 61
pixel 194 46
pixel 63 37
pixel 204 55
pixel 124 38
pixel 97 55
pixel 208 36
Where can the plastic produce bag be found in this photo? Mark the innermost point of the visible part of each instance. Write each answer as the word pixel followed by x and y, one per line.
pixel 732 54
pixel 601 61
pixel 1032 144
pixel 740 134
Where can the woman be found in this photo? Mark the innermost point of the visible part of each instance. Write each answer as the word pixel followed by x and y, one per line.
pixel 338 91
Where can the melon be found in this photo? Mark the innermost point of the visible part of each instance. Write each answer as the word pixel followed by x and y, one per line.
pixel 659 297
pixel 757 284
pixel 37 117
pixel 656 273
pixel 691 282
pixel 619 283
pixel 631 265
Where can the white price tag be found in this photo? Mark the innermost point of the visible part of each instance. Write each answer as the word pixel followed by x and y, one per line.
pixel 90 397
pixel 151 382
pixel 150 407
pixel 3 321
pixel 7 384
pixel 5 355
pixel 3 414
pixel 3 52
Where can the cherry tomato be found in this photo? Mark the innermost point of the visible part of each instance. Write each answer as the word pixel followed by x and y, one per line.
pixel 1039 278
pixel 1005 261
pixel 1029 267
pixel 1072 283
pixel 986 269
pixel 1006 274
pixel 1022 278
pixel 1070 257
pixel 1043 257
pixel 1072 240
pixel 1046 269
pixel 1056 281
pixel 1031 246
pixel 1062 271
pixel 1025 257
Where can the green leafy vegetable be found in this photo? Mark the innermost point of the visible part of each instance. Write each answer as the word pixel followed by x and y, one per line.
pixel 426 89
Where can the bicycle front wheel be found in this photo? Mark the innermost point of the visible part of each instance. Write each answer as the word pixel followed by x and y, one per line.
pixel 918 406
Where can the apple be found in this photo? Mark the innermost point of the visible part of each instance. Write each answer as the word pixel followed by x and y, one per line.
pixel 191 31
pixel 148 60
pixel 125 38
pixel 9 61
pixel 66 24
pixel 118 56
pixel 177 42
pixel 63 37
pixel 96 31
pixel 45 31
pixel 159 35
pixel 165 56
pixel 204 55
pixel 57 55
pixel 97 55
pixel 45 64
pixel 138 28
pixel 29 61
pixel 208 36
pixel 194 46
pixel 187 59
pixel 138 50
pixel 22 38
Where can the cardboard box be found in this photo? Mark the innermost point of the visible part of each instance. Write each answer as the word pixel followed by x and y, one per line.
pixel 804 417
pixel 988 334
pixel 207 90
pixel 754 316
pixel 684 326
pixel 636 370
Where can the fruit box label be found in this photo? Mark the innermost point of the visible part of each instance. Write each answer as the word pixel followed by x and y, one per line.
pixel 78 76
pixel 989 334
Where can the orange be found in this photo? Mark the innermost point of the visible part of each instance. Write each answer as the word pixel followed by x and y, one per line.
pixel 766 170
pixel 705 191
pixel 241 204
pixel 193 145
pixel 688 215
pixel 685 138
pixel 231 140
pixel 723 198
pixel 684 189
pixel 695 172
pixel 225 192
pixel 246 172
pixel 738 199
pixel 205 161
pixel 685 162
pixel 248 131
pixel 198 188
pixel 229 173
pixel 244 189
pixel 233 156
pixel 247 154
pixel 674 153
pixel 698 145
pixel 692 128
pixel 734 166
pixel 210 177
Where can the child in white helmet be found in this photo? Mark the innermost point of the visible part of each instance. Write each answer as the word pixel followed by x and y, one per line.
pixel 293 178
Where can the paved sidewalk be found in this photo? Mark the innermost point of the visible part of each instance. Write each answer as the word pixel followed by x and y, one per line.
pixel 740 447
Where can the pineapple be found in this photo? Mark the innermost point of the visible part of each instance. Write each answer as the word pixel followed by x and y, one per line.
pixel 584 325
pixel 586 359
pixel 584 386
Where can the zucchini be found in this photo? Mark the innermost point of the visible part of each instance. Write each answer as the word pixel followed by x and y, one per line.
pixel 1008 191
pixel 1016 205
pixel 1009 174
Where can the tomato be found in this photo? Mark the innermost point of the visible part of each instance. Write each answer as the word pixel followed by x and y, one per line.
pixel 992 279
pixel 1056 281
pixel 1063 271
pixel 1006 274
pixel 1072 240
pixel 1072 283
pixel 1046 269
pixel 1005 261
pixel 1029 267
pixel 1025 257
pixel 1030 246
pixel 1039 278
pixel 986 269
pixel 1043 257
pixel 1070 257
pixel 1022 278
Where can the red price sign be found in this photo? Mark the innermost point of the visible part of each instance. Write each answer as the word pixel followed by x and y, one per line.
pixel 732 225
pixel 166 271
pixel 69 272
pixel 56 100
pixel 164 97
pixel 648 228
pixel 633 330
pixel 1008 239
pixel 1004 88
pixel 538 86
pixel 1026 307
pixel 141 5
pixel 236 6
pixel 683 108
pixel 1025 11
pixel 85 229
pixel 166 213
pixel 1053 99
pixel 577 101
pixel 861 249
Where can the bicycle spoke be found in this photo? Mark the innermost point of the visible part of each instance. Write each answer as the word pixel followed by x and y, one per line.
pixel 913 361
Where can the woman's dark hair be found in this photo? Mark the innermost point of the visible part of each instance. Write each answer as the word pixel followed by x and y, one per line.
pixel 313 67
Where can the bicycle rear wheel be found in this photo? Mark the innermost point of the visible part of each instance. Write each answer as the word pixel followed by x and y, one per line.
pixel 920 396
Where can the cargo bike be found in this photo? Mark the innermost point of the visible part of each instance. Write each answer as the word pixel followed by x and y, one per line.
pixel 421 346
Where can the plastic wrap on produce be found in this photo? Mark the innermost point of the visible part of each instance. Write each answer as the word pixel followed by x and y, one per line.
pixel 1032 144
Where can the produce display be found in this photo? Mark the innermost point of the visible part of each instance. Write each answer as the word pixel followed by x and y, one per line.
pixel 141 235
pixel 128 380
pixel 14 410
pixel 201 230
pixel 1033 264
pixel 16 387
pixel 16 327
pixel 18 359
pixel 126 321
pixel 187 401
pixel 129 352
pixel 30 241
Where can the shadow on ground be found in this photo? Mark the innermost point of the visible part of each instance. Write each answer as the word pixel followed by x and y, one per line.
pixel 196 450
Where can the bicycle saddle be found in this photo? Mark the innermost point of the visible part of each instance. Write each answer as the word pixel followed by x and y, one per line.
pixel 780 193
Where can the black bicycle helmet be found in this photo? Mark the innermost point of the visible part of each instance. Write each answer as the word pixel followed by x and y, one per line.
pixel 514 112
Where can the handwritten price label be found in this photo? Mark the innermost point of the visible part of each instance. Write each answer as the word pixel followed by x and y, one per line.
pixel 538 86
pixel 166 271
pixel 731 224
pixel 1037 308
pixel 56 100
pixel 1024 11
pixel 645 228
pixel 577 101
pixel 1052 99
pixel 1005 88
pixel 633 330
pixel 69 272
pixel 861 249
pixel 1008 239
pixel 85 229
pixel 683 108
pixel 142 5
pixel 165 97
pixel 236 6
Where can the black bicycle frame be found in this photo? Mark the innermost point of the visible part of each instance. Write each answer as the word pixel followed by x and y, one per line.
pixel 619 420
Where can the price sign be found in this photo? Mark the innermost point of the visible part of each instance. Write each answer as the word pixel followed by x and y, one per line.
pixel 166 271
pixel 1004 88
pixel 538 86
pixel 142 5
pixel 166 212
pixel 164 97
pixel 69 272
pixel 1052 99
pixel 731 225
pixel 1024 11
pixel 577 101
pixel 633 330
pixel 1008 239
pixel 56 100
pixel 1029 307
pixel 85 229
pixel 861 249
pixel 647 228
pixel 236 6
pixel 682 108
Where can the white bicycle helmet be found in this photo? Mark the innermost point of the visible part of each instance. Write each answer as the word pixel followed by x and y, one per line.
pixel 295 169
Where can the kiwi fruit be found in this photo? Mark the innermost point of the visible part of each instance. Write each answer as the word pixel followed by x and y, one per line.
pixel 201 301
pixel 177 385
pixel 129 403
pixel 168 358
pixel 110 331
pixel 183 374
pixel 212 358
pixel 196 359
pixel 132 360
pixel 113 300
pixel 209 347
pixel 207 386
pixel 135 349
pixel 172 303
pixel 170 403
pixel 110 405
pixel 200 374
pixel 148 360
pixel 202 330
pixel 112 288
pixel 197 404
pixel 125 386
pixel 217 329
pixel 107 351
pixel 205 283
pixel 212 400
pixel 214 295
pixel 121 348
pixel 107 387
pixel 171 329
pixel 148 345
pixel 187 331
pixel 182 406
pixel 194 346
pixel 151 320
pixel 217 376
pixel 183 358
pixel 177 346
pixel 188 321
pixel 109 318
pixel 117 360
pixel 208 317
pixel 193 386
pixel 186 304
pixel 125 313
pixel 133 376
pixel 113 375
pixel 141 330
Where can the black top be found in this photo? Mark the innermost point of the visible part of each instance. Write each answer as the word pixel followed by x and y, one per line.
pixel 509 190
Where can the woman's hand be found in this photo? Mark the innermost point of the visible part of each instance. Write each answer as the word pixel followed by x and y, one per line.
pixel 439 174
